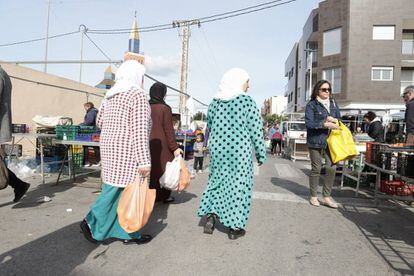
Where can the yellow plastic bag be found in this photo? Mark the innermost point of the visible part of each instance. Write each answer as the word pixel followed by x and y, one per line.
pixel 341 144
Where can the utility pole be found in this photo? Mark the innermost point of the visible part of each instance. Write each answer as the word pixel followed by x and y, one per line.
pixel 185 33
pixel 83 29
pixel 47 35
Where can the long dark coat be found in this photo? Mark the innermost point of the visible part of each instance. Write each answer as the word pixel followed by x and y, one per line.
pixel 162 146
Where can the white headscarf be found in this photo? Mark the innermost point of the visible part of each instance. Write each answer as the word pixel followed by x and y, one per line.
pixel 231 84
pixel 129 75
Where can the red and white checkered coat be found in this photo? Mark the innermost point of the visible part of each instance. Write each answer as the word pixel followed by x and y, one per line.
pixel 125 123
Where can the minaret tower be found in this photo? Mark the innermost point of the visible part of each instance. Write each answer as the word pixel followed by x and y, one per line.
pixel 134 37
pixel 134 43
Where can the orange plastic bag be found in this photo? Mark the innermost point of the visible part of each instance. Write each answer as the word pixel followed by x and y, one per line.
pixel 135 205
pixel 185 177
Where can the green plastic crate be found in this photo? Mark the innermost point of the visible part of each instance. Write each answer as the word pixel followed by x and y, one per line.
pixel 68 131
pixel 87 129
pixel 77 159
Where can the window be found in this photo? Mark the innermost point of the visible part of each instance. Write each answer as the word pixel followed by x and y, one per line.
pixel 332 42
pixel 382 73
pixel 408 42
pixel 383 32
pixel 407 78
pixel 334 76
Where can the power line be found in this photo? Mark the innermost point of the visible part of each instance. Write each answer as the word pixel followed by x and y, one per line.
pixel 129 29
pixel 239 10
pixel 38 39
pixel 246 12
pixel 56 86
pixel 110 32
pixel 99 48
pixel 209 47
pixel 176 90
pixel 206 19
pixel 168 26
pixel 148 76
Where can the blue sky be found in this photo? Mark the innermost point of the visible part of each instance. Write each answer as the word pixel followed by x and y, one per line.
pixel 258 42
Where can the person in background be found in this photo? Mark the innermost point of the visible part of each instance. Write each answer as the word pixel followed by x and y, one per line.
pixel 236 129
pixel 321 115
pixel 408 96
pixel 125 122
pixel 277 140
pixel 163 145
pixel 270 134
pixel 199 150
pixel 20 187
pixel 91 114
pixel 375 128
pixel 90 120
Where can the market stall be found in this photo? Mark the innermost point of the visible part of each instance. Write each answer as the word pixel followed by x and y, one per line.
pixel 354 169
pixel 74 138
pixel 391 164
pixel 40 138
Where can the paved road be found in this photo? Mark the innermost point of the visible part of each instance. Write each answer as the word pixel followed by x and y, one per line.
pixel 285 236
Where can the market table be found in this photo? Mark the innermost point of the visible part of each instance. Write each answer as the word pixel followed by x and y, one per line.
pixel 378 183
pixel 346 173
pixel 69 154
pixel 29 137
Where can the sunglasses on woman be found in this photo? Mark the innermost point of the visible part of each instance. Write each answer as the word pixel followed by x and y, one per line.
pixel 325 90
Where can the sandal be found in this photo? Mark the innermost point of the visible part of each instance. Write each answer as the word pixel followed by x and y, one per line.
pixel 329 202
pixel 314 201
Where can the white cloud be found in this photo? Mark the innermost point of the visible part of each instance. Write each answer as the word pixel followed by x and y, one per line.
pixel 162 66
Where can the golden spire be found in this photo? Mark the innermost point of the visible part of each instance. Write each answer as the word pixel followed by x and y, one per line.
pixel 109 69
pixel 134 34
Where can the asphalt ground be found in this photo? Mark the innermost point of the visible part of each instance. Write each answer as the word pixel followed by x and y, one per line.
pixel 285 235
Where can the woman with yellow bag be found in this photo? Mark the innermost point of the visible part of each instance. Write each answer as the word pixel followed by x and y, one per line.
pixel 125 122
pixel 321 117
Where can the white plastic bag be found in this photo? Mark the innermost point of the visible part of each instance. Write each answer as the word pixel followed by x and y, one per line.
pixel 169 180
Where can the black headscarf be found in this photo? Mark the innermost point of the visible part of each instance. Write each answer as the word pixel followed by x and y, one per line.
pixel 157 93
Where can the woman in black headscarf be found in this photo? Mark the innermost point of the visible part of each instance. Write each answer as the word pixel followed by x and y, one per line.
pixel 163 145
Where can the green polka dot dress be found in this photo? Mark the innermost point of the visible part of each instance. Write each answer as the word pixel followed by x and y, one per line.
pixel 235 129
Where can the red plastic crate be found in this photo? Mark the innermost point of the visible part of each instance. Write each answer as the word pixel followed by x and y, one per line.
pixel 397 187
pixel 96 137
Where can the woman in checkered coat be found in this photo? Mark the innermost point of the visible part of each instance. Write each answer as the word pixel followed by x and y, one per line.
pixel 125 122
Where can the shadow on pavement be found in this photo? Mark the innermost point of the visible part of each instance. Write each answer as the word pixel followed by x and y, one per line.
pixel 157 223
pixel 50 189
pixel 294 187
pixel 183 197
pixel 390 232
pixel 57 253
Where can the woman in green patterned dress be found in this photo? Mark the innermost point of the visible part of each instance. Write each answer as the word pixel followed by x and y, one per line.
pixel 235 129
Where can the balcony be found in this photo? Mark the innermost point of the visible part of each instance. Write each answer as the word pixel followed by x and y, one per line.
pixel 408 47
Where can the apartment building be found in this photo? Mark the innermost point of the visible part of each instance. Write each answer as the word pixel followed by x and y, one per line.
pixel 364 48
pixel 274 105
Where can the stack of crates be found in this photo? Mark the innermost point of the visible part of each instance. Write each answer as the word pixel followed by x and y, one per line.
pixel 75 133
pixel 67 132
pixel 77 155
pixel 85 133
pixel 52 154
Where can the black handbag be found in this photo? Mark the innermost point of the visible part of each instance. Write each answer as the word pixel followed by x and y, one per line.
pixel 4 172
